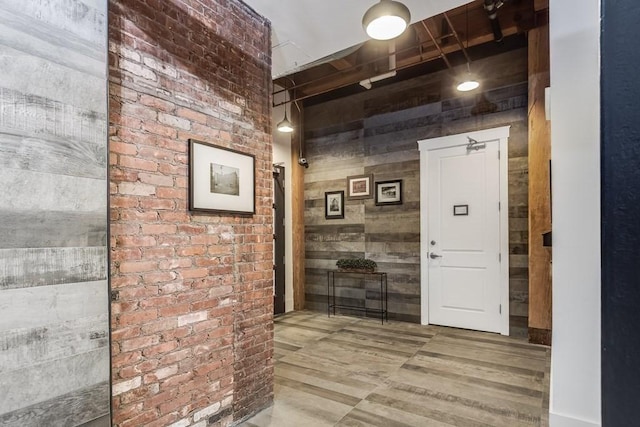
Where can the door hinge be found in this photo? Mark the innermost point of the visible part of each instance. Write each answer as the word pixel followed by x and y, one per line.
pixel 500 257
pixel 498 154
pixel 499 206
pixel 500 308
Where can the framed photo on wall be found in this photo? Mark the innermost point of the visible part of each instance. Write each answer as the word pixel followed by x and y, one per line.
pixel 389 192
pixel 334 204
pixel 359 187
pixel 220 179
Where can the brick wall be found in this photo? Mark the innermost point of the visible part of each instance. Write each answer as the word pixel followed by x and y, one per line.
pixel 192 317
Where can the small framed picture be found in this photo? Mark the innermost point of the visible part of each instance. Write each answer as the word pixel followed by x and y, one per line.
pixel 389 192
pixel 359 187
pixel 334 204
pixel 220 179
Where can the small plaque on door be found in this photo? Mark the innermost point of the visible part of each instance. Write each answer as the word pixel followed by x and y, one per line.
pixel 460 210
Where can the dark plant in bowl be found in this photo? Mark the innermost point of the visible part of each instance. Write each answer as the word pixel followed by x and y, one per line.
pixel 356 264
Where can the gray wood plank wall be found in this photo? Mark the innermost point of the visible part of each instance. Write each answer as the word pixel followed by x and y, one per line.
pixel 376 132
pixel 54 324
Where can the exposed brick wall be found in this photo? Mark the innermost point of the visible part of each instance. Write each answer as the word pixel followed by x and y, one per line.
pixel 192 327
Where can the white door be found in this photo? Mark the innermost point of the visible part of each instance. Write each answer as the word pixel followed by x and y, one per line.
pixel 465 287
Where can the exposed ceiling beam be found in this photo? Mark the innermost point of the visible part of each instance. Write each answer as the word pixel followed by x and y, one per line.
pixel 461 28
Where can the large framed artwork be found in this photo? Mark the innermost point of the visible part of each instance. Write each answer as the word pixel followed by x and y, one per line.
pixel 334 204
pixel 220 179
pixel 359 187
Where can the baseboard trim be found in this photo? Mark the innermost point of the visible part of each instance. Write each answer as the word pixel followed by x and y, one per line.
pixel 558 420
pixel 540 336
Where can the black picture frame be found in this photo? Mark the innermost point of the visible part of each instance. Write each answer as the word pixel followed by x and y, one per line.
pixel 334 205
pixel 389 192
pixel 221 180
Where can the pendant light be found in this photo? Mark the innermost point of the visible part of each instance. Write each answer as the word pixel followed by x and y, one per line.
pixel 386 20
pixel 469 82
pixel 285 126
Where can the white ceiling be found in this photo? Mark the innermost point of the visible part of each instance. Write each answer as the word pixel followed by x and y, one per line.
pixel 304 31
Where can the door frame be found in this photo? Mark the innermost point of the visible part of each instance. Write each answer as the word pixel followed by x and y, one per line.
pixel 279 243
pixel 501 134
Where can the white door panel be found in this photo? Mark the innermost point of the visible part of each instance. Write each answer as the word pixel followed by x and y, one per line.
pixel 463 229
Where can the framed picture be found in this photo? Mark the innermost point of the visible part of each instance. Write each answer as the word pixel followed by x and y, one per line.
pixel 334 204
pixel 389 192
pixel 359 187
pixel 220 179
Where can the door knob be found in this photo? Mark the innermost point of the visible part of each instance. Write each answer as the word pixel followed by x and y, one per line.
pixel 434 256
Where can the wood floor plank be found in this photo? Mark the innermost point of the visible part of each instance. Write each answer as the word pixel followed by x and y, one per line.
pixel 404 375
pixel 318 391
pixel 492 405
pixel 474 380
pixel 436 384
pixel 485 355
pixel 326 382
pixel 363 418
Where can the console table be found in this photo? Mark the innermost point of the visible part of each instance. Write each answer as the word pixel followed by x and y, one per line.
pixel 331 293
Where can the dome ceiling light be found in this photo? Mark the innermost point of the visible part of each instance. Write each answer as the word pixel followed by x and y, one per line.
pixel 386 20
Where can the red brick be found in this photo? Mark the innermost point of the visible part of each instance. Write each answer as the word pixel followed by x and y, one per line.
pixel 124 281
pixel 165 420
pixel 191 251
pixel 171 193
pixel 136 317
pixel 194 273
pixel 157 204
pixel 158 229
pixel 176 356
pixel 159 349
pixel 123 202
pixel 137 163
pixel 156 103
pixel 191 228
pixel 137 266
pixel 175 380
pixel 123 148
pixel 158 252
pixel 139 343
pixel 174 310
pixel 136 241
pixel 192 115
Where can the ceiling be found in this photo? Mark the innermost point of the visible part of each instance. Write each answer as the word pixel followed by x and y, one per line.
pixel 318 51
pixel 304 31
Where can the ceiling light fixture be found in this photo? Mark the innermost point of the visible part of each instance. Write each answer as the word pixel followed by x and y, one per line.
pixel 285 126
pixel 386 20
pixel 468 83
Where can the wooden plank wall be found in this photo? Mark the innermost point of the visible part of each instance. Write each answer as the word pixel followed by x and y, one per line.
pixel 54 336
pixel 375 132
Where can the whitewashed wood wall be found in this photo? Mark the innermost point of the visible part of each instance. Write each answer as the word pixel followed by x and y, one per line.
pixel 54 324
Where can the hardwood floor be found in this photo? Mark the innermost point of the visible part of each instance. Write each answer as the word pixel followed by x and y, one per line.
pixel 353 372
